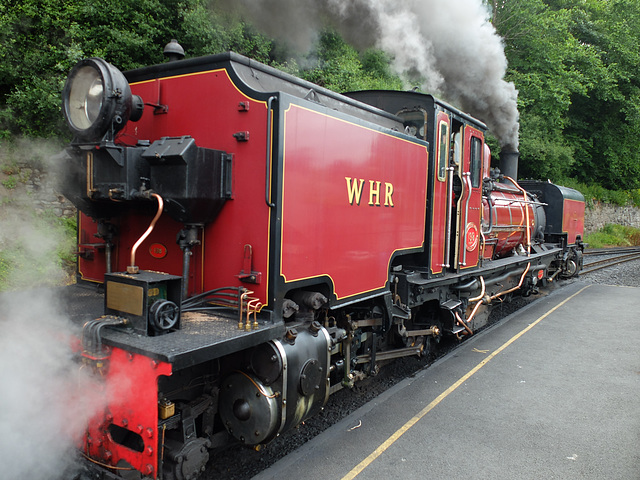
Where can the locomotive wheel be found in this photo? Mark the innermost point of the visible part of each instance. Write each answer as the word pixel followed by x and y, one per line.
pixel 572 268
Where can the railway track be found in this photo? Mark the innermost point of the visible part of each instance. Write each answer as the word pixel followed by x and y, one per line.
pixel 615 256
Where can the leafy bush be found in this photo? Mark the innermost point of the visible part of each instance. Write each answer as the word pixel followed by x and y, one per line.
pixel 10 182
pixel 614 235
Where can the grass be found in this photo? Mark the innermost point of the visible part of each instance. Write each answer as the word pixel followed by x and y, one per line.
pixel 614 236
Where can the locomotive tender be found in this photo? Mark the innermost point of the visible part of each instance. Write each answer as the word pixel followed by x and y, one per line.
pixel 261 242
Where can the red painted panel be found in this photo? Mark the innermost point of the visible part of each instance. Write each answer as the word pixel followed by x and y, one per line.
pixel 573 219
pixel 205 105
pixel 337 225
pixel 439 202
pixel 470 206
pixel 133 380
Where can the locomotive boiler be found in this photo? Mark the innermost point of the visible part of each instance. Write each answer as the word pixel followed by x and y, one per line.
pixel 256 242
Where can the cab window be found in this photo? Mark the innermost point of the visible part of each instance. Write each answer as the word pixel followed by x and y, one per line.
pixel 443 150
pixel 415 122
pixel 476 162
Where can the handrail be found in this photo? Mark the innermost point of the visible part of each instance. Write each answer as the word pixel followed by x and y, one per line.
pixel 267 195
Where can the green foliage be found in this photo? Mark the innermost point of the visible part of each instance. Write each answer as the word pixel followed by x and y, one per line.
pixel 10 182
pixel 544 153
pixel 575 64
pixel 610 109
pixel 539 46
pixel 614 236
pixel 40 40
pixel 595 193
pixel 338 66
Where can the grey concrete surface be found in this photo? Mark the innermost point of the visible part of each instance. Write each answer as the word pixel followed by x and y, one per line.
pixel 552 392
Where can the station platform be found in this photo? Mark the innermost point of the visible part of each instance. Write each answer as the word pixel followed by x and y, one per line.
pixel 551 392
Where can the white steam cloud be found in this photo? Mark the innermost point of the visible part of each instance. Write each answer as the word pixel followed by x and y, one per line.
pixel 451 48
pixel 46 399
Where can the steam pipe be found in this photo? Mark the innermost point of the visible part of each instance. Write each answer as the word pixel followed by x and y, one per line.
pixel 186 259
pixel 107 252
pixel 187 239
pixel 133 268
pixel 493 297
pixel 474 311
pixel 483 289
pixel 464 325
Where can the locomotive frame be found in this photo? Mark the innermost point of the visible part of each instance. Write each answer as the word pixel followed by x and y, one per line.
pixel 318 236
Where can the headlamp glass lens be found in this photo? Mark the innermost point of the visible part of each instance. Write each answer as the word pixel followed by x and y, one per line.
pixel 85 97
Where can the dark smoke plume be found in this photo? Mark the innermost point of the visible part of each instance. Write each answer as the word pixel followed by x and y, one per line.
pixel 450 48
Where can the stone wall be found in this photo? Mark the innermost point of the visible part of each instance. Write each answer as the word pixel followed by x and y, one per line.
pixel 46 198
pixel 23 186
pixel 598 215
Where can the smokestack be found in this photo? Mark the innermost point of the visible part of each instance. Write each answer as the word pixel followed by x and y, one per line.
pixel 509 161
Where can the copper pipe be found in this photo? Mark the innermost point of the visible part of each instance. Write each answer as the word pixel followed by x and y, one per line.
pixel 254 304
pixel 260 388
pixel 514 288
pixel 132 268
pixel 474 311
pixel 245 293
pixel 479 297
pixel 256 325
pixel 461 322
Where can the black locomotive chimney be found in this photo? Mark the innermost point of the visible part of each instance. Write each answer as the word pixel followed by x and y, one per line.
pixel 509 161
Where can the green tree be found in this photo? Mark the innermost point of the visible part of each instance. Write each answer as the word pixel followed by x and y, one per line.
pixel 605 120
pixel 575 64
pixel 40 40
pixel 340 67
pixel 542 52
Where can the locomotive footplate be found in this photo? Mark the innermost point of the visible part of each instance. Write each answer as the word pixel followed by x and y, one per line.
pixel 417 288
pixel 202 337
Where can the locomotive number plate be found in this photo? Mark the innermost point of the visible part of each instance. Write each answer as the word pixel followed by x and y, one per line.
pixel 125 298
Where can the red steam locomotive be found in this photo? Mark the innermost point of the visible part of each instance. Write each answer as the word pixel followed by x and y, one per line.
pixel 261 242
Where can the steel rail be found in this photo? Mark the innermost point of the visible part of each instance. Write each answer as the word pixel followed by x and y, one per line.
pixel 610 263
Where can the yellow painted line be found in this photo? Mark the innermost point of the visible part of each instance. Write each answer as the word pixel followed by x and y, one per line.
pixel 402 430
